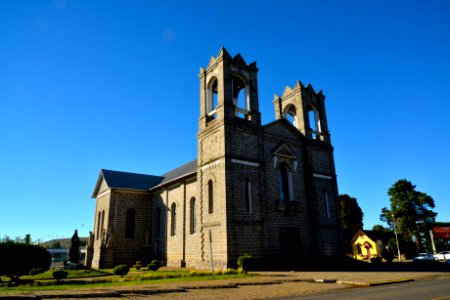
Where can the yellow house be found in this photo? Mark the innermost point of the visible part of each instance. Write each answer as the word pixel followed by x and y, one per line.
pixel 364 248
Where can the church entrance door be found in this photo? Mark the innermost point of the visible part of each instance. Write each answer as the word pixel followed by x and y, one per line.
pixel 289 242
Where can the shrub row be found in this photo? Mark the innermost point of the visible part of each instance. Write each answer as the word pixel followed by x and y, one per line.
pixel 20 259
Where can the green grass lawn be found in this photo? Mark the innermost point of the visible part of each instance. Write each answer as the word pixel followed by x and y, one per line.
pixel 71 274
pixel 104 278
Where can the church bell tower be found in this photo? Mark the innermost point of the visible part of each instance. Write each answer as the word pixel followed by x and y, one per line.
pixel 229 152
pixel 228 90
pixel 305 109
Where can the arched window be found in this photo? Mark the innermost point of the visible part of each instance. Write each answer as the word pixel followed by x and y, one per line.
pixel 248 195
pixel 173 219
pixel 157 222
pixel 102 226
pixel 212 98
pixel 326 204
pixel 291 115
pixel 210 197
pixel 285 183
pixel 130 223
pixel 314 122
pixel 99 217
pixel 241 97
pixel 193 220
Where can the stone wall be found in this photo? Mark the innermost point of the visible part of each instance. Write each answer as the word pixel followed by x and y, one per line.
pixel 111 247
pixel 295 214
pixel 130 249
pixel 159 227
pixel 213 230
pixel 102 208
pixel 245 216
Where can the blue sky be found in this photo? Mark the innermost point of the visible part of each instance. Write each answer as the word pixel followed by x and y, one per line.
pixel 86 85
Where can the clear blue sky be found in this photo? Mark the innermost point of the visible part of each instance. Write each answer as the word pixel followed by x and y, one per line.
pixel 86 85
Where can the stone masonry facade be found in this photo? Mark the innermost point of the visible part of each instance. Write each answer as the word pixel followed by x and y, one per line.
pixel 268 190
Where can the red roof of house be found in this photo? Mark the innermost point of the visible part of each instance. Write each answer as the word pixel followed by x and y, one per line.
pixel 441 232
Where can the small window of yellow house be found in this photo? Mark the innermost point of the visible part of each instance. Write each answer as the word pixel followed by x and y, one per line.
pixel 364 248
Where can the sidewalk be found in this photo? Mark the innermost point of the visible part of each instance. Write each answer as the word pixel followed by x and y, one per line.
pixel 268 285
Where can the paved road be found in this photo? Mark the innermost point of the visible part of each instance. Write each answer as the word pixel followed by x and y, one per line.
pixel 270 285
pixel 245 292
pixel 438 289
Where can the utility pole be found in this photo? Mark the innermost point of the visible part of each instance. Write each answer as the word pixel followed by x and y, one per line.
pixel 432 241
pixel 396 238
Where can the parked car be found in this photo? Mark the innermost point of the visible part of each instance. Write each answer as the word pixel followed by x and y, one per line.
pixel 423 257
pixel 443 256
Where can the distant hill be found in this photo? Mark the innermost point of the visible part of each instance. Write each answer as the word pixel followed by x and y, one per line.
pixel 64 243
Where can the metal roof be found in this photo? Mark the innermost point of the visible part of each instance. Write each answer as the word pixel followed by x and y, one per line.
pixel 181 171
pixel 142 182
pixel 133 181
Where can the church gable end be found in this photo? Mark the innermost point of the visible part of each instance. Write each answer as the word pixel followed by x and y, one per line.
pixel 103 187
pixel 281 129
pixel 100 186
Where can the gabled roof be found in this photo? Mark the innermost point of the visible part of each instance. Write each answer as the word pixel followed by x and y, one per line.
pixel 360 232
pixel 142 182
pixel 134 181
pixel 374 235
pixel 286 124
pixel 181 171
pixel 125 180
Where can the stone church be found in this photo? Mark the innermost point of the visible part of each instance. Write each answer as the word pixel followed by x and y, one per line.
pixel 268 190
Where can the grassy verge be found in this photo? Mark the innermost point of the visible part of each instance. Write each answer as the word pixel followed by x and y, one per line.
pixel 71 274
pixel 82 280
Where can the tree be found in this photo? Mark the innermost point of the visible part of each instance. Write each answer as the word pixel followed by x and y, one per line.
pixel 20 259
pixel 6 240
pixel 74 250
pixel 351 217
pixel 378 227
pixel 410 212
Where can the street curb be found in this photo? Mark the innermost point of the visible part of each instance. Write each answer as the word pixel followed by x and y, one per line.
pixel 357 283
pixel 151 292
pixel 325 280
pixel 79 295
pixel 204 287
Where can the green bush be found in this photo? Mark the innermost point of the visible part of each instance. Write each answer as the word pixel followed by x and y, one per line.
pixel 121 270
pixel 18 259
pixel 194 273
pixel 154 265
pixel 36 271
pixel 60 274
pixel 230 272
pixel 138 265
pixel 245 262
pixel 388 255
pixel 217 273
pixel 375 260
